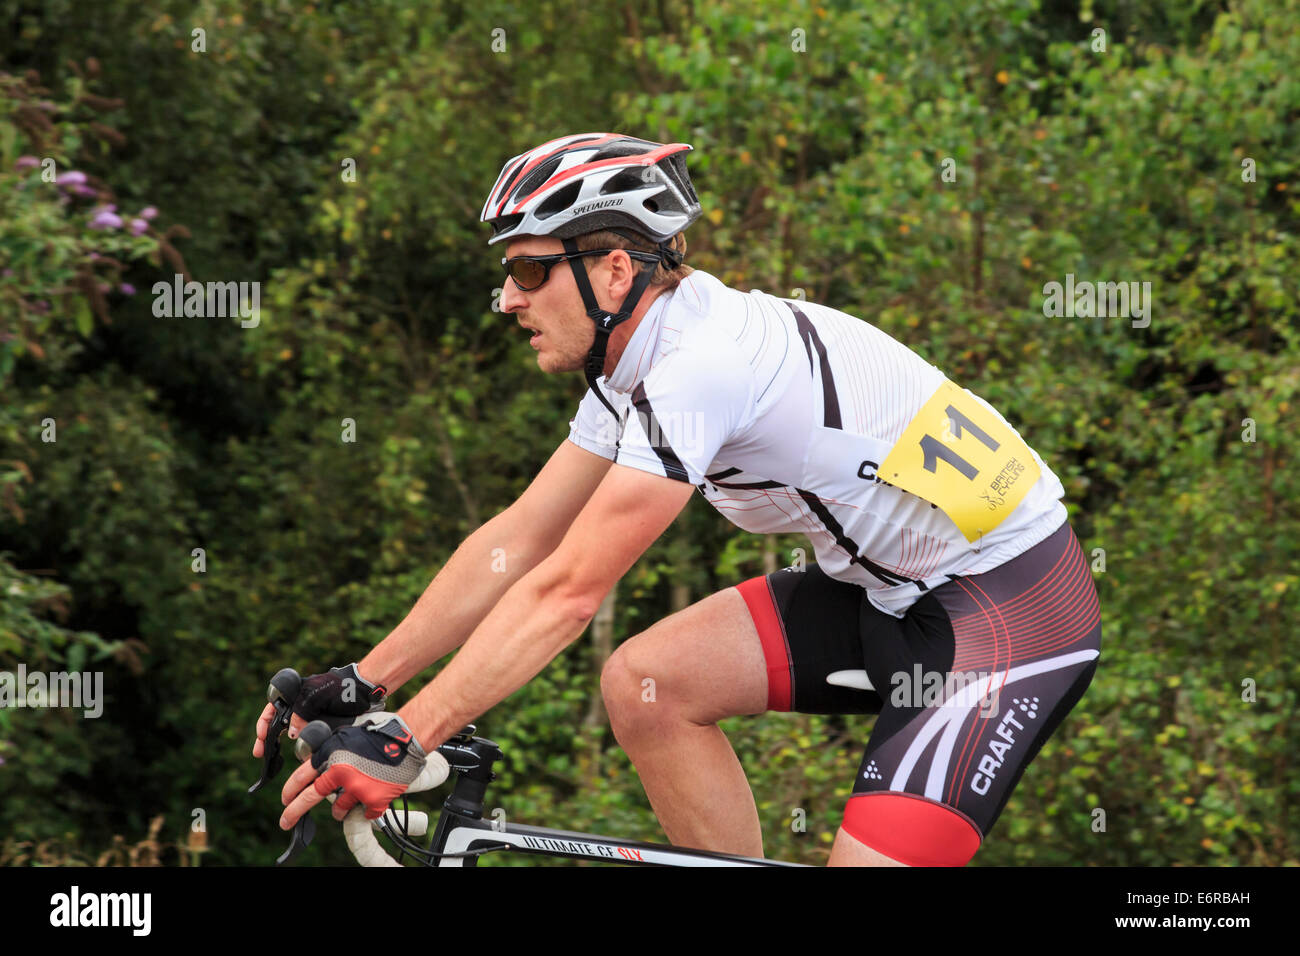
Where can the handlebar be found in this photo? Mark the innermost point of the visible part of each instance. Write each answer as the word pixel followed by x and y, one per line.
pixel 360 832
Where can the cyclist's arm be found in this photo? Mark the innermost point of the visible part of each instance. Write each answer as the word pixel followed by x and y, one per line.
pixel 478 574
pixel 550 606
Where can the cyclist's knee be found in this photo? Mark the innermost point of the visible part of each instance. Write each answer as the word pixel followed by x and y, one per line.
pixel 628 688
pixel 669 673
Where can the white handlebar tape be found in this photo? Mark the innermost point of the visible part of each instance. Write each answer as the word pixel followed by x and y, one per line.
pixel 360 832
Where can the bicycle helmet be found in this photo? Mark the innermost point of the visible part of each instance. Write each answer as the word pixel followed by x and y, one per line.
pixel 590 182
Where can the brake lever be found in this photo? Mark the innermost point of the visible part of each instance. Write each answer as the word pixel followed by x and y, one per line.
pixel 281 692
pixel 304 831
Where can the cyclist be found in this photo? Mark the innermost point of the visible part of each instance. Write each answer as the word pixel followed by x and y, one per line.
pixel 949 594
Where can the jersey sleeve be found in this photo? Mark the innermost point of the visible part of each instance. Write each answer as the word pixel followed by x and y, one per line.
pixel 683 412
pixel 593 428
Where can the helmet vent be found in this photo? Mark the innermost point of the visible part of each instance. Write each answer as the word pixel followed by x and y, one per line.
pixel 505 223
pixel 558 201
pixel 625 182
pixel 534 180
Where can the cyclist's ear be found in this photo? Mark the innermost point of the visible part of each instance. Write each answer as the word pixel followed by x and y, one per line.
pixel 622 272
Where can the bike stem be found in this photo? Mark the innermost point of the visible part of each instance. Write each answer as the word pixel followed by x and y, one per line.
pixel 471 759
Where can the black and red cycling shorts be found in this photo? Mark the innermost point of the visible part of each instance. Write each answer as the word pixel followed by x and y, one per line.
pixel 969 684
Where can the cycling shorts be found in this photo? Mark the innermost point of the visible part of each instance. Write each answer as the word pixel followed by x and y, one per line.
pixel 968 685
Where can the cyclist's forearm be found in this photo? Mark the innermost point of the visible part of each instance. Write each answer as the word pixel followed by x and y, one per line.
pixel 536 619
pixel 482 569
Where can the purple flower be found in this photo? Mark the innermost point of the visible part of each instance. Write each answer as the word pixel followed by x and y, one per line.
pixel 148 212
pixel 106 220
pixel 127 289
pixel 138 226
pixel 73 177
pixel 26 162
pixel 7 273
pixel 84 191
pixel 93 256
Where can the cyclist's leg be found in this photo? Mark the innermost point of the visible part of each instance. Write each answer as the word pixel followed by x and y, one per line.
pixel 1016 648
pixel 665 690
pixel 729 655
pixel 848 851
pixel 900 656
pixel 813 637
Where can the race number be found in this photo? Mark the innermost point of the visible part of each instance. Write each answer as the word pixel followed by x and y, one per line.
pixel 960 456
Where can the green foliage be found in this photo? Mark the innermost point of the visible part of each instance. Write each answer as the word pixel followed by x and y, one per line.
pixel 822 134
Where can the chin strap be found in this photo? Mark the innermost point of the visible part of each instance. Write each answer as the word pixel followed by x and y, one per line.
pixel 606 322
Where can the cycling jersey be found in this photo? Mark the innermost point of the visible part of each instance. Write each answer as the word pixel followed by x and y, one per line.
pixel 794 417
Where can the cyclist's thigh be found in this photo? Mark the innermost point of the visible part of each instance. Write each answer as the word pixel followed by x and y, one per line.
pixel 808 625
pixel 705 661
pixel 786 641
pixel 1009 653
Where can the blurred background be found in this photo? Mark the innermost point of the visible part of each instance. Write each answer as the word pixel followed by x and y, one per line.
pixel 179 513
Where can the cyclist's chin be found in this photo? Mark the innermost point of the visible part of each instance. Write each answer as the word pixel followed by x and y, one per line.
pixel 550 361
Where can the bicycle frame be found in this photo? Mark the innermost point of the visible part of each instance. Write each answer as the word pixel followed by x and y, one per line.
pixel 462 835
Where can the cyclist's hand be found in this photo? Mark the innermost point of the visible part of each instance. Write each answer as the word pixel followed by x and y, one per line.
pixel 336 697
pixel 371 764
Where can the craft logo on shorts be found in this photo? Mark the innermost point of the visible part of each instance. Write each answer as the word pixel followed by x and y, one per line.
pixel 991 762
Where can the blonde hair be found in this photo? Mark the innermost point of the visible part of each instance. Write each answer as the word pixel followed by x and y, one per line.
pixel 604 239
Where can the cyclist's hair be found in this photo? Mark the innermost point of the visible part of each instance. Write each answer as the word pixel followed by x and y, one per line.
pixel 605 239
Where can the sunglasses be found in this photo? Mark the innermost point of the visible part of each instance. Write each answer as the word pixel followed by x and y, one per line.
pixel 531 272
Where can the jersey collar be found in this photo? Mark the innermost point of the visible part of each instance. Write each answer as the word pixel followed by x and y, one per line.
pixel 641 349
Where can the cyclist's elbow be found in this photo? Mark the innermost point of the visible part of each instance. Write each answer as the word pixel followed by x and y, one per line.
pixel 567 592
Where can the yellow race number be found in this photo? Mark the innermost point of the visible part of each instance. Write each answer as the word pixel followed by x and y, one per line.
pixel 959 456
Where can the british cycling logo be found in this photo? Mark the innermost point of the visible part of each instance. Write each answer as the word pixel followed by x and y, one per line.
pixel 78 690
pixel 213 300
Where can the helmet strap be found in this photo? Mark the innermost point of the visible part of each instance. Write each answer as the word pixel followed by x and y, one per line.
pixel 672 258
pixel 605 321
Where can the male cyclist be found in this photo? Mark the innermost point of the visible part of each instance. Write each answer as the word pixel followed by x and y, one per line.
pixel 949 594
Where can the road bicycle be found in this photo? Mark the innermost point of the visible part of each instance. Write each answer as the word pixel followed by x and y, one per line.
pixel 461 834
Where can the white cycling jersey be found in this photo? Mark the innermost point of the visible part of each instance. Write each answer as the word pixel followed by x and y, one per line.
pixel 794 417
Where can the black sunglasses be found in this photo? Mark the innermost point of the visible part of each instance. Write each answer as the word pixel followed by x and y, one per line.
pixel 531 272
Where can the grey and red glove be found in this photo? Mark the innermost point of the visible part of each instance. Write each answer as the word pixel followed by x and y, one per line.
pixel 371 764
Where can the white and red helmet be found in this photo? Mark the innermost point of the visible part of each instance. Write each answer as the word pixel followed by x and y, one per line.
pixel 591 181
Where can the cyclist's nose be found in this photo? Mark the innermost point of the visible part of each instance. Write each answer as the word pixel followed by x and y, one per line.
pixel 511 298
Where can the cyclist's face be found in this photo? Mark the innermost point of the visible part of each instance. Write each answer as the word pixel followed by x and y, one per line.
pixel 553 311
